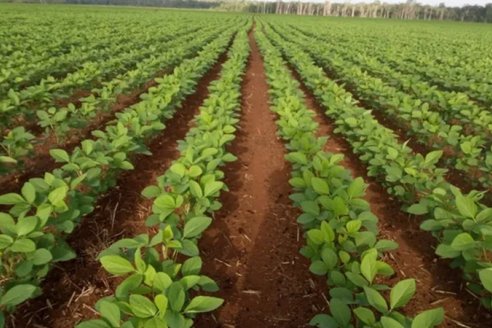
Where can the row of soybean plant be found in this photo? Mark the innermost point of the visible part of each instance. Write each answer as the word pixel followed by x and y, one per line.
pixel 161 269
pixel 38 219
pixel 18 143
pixel 452 106
pixel 469 153
pixel 461 224
pixel 341 231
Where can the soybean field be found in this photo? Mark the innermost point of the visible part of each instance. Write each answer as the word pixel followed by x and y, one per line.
pixel 184 168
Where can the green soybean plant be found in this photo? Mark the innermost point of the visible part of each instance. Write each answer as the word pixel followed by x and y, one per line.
pixel 341 232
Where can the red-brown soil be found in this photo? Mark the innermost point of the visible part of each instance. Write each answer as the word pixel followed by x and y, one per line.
pixel 252 247
pixel 72 288
pixel 437 284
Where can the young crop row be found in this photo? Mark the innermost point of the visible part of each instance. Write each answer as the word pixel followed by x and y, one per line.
pixel 452 106
pixel 471 154
pixel 47 209
pixel 21 105
pixel 341 231
pixel 460 65
pixel 460 223
pixel 18 143
pixel 161 269
pixel 61 47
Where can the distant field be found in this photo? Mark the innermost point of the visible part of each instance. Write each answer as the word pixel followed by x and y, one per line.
pixel 174 168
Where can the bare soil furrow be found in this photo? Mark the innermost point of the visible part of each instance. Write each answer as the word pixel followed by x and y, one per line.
pixel 252 247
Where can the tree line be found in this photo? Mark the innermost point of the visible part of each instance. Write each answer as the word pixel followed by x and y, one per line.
pixel 408 10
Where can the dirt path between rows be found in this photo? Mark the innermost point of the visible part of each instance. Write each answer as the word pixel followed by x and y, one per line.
pixel 72 288
pixel 437 284
pixel 252 247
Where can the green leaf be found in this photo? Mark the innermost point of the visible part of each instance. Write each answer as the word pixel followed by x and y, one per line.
pixel 354 226
pixel 7 160
pixel 110 312
pixel 356 188
pixel 202 304
pixel 60 155
pixel 5 241
pixel 116 265
pixel 11 199
pixel 310 207
pixel 161 281
pixel 192 266
pixel 329 257
pixel 196 189
pixel 151 192
pixel 463 241
pixel 212 187
pixel 486 278
pixel 365 315
pixel 388 322
pixel 327 231
pixel 128 285
pixel 26 225
pixel 320 186
pixel 376 300
pixel 428 319
pixel 417 209
pixel 318 268
pixel 433 157
pixel 195 226
pixel 29 192
pixel 18 294
pixel 316 236
pixel 368 265
pixel 176 296
pixel 142 307
pixel 466 206
pixel 42 256
pixel 58 195
pixel 323 321
pixel 161 302
pixel 340 311
pixel 401 293
pixel 94 324
pixel 178 169
pixel 23 246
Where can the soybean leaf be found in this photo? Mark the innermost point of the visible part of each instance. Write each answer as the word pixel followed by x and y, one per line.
pixel 376 299
pixel 401 293
pixel 142 307
pixel 116 265
pixel 202 304
pixel 18 294
pixel 340 311
pixel 196 226
pixel 365 315
pixel 11 199
pixel 486 278
pixel 428 319
pixel 388 322
pixel 110 312
pixel 60 155
pixel 93 324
